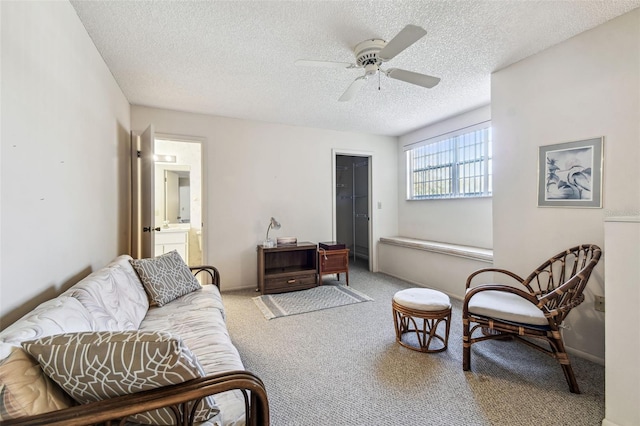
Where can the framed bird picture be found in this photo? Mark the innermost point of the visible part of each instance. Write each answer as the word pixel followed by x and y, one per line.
pixel 570 174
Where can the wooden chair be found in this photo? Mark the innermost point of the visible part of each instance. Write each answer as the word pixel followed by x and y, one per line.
pixel 535 311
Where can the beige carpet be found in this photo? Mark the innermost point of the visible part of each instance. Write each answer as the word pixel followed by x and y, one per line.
pixel 342 366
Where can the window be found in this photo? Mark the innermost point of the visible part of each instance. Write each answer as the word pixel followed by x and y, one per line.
pixel 455 165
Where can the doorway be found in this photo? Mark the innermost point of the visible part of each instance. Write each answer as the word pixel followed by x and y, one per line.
pixel 178 192
pixel 352 206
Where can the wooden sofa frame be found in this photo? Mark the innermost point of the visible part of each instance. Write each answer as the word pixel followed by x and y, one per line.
pixel 181 398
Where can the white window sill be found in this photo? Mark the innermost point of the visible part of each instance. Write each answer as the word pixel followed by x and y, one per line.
pixel 474 253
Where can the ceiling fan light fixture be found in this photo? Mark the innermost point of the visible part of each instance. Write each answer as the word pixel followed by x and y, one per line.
pixel 371 69
pixel 371 53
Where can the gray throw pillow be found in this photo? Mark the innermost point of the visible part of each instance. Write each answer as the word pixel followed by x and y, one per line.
pixel 165 278
pixel 93 366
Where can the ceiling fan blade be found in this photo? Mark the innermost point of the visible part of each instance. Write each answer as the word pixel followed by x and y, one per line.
pixel 413 77
pixel 324 64
pixel 353 89
pixel 405 38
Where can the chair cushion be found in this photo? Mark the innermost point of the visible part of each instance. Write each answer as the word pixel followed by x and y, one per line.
pixel 506 306
pixel 422 299
pixel 99 365
pixel 166 277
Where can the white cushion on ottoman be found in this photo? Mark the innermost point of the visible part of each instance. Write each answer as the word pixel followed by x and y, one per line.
pixel 422 299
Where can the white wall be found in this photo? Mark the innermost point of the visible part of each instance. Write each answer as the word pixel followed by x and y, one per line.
pixel 585 87
pixel 65 125
pixel 256 170
pixel 456 221
pixel 622 376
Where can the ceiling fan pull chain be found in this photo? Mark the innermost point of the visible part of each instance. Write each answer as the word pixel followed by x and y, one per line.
pixel 378 79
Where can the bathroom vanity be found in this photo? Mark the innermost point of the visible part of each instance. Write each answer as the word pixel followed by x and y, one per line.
pixel 168 239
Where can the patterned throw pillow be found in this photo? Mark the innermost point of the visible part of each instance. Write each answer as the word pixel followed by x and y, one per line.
pixel 25 390
pixel 92 366
pixel 165 278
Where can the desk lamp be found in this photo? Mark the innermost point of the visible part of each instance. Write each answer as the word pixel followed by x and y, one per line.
pixel 273 224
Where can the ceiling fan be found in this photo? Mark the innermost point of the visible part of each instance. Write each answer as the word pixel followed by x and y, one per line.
pixel 370 54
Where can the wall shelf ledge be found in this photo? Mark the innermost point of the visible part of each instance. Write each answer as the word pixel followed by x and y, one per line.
pixel 475 253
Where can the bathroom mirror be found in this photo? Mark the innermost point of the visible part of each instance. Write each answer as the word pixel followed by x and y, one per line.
pixel 172 194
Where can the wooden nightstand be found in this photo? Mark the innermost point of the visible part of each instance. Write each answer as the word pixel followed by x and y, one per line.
pixel 333 262
pixel 287 268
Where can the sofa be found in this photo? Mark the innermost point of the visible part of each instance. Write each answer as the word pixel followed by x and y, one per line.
pixel 140 341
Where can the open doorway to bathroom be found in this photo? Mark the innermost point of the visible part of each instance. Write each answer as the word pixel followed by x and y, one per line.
pixel 352 206
pixel 178 194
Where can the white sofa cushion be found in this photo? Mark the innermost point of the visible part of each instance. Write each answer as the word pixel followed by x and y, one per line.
pixel 506 306
pixel 188 316
pixel 60 315
pixel 113 295
pixel 98 365
pixel 24 389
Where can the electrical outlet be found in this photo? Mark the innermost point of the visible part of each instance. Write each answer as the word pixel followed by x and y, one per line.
pixel 599 303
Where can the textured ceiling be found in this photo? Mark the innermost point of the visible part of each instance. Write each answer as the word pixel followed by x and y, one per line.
pixel 236 58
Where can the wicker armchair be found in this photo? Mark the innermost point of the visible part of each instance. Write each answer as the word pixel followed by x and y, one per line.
pixel 536 310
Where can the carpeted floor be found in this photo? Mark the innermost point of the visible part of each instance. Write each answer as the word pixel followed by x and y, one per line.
pixel 342 366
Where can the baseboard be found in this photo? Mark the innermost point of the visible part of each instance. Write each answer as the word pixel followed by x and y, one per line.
pixel 606 422
pixel 239 288
pixel 453 296
pixel 585 355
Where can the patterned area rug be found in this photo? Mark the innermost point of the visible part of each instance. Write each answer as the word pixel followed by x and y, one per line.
pixel 314 299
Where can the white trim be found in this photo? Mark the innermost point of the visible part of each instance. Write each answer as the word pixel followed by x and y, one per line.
pixel 585 355
pixel 448 135
pixel 468 252
pixel 632 219
pixel 422 285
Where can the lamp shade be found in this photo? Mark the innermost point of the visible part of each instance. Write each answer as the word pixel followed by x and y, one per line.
pixel 274 224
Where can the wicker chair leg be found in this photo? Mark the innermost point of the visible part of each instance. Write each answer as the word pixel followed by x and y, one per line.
pixel 466 345
pixel 557 346
pixel 571 378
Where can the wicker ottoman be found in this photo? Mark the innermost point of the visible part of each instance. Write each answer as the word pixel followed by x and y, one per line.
pixel 431 307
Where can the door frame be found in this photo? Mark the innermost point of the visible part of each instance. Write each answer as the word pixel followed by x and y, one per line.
pixel 353 153
pixel 204 199
pixel 139 163
pixel 135 190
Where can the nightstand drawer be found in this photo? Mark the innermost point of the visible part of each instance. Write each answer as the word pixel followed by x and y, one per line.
pixel 335 262
pixel 290 281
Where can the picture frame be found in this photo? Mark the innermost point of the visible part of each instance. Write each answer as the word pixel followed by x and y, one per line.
pixel 570 174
